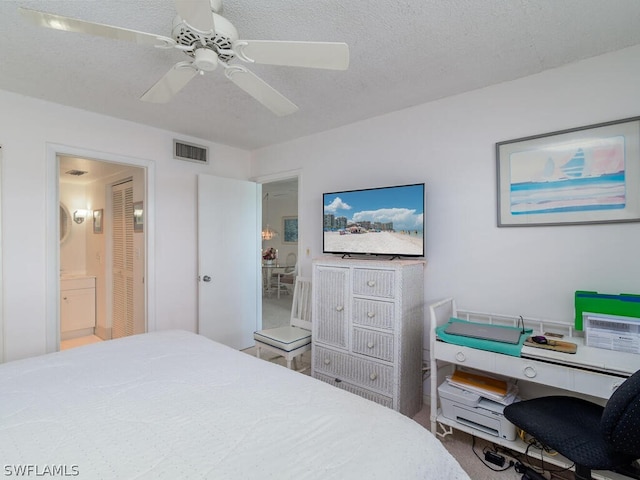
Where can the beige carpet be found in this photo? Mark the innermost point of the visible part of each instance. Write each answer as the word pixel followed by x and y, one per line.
pixel 459 444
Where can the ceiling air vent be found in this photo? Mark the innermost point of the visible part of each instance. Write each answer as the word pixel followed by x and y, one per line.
pixel 76 173
pixel 190 152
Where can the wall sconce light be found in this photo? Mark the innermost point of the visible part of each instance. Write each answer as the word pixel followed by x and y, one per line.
pixel 79 216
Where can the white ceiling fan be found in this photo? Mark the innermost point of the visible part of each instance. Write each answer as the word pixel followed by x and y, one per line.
pixel 202 33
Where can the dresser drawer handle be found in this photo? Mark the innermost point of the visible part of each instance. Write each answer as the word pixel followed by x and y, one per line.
pixel 529 372
pixel 615 386
pixel 371 314
pixel 461 357
pixel 340 308
pixel 373 376
pixel 370 345
pixel 371 283
pixel 327 361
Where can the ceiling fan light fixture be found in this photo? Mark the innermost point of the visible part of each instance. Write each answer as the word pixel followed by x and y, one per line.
pixel 206 59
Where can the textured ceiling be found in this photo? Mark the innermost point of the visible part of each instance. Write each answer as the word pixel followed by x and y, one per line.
pixel 403 53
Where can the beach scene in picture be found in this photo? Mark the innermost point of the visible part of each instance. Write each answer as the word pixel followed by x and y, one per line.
pixel 382 221
pixel 585 175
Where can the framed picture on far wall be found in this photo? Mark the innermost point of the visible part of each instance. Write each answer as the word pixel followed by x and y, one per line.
pixel 289 229
pixel 97 221
pixel 582 175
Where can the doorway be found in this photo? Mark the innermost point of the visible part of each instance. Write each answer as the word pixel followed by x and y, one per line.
pixel 279 216
pixel 89 250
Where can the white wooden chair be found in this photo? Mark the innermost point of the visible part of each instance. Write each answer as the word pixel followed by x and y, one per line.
pixel 294 339
pixel 285 279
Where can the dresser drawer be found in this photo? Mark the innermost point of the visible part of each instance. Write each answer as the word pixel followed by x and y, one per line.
pixel 362 372
pixel 372 313
pixel 374 283
pixel 369 395
pixel 373 344
pixel 470 357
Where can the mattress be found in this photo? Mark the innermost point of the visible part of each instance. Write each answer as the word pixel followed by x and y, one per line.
pixel 174 405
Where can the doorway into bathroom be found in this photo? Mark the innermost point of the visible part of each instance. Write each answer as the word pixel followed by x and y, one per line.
pixel 102 250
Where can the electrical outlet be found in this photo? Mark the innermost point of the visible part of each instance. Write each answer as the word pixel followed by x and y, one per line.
pixel 308 252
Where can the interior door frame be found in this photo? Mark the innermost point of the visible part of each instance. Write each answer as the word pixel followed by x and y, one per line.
pixel 52 280
pixel 286 175
pixel 1 286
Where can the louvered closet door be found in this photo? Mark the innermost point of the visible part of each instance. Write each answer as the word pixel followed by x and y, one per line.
pixel 122 204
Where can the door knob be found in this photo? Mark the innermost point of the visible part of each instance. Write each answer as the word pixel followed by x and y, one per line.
pixel 206 278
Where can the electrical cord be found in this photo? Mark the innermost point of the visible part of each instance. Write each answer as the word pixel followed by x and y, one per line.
pixel 473 449
pixel 532 442
pixel 426 371
pixel 520 464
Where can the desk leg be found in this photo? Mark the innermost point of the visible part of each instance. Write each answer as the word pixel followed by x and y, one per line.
pixel 266 281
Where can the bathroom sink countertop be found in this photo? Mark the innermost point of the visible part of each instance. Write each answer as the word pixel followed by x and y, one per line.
pixel 72 276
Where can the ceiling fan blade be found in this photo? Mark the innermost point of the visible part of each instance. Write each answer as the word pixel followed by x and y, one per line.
pixel 58 22
pixel 197 13
pixel 260 90
pixel 172 82
pixel 330 55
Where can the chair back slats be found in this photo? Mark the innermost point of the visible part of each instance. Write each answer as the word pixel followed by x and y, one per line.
pixel 301 307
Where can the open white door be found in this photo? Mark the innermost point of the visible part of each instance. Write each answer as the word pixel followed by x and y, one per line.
pixel 228 260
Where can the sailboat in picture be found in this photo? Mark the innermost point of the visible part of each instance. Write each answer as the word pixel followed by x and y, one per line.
pixel 592 179
pixel 574 167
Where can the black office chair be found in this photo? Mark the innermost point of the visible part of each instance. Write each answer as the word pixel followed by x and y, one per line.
pixel 592 436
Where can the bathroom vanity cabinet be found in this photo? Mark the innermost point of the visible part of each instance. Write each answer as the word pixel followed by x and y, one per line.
pixel 77 306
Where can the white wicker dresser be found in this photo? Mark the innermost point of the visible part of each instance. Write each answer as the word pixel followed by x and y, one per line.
pixel 368 329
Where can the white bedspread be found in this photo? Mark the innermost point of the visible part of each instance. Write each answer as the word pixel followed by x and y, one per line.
pixel 172 405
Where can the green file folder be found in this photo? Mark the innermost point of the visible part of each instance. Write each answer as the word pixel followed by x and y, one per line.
pixel 625 305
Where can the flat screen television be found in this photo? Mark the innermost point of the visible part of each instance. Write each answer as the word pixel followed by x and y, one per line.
pixel 375 221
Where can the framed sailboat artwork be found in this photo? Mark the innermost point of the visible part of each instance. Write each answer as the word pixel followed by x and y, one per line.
pixel 582 175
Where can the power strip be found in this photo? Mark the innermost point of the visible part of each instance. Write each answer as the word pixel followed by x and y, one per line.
pixel 494 458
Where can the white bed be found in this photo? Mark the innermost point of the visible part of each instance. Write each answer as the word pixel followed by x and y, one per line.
pixel 173 404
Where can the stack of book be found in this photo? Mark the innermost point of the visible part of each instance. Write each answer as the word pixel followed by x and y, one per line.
pixel 501 391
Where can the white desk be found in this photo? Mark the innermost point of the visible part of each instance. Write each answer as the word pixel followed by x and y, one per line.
pixel 590 371
pixel 598 359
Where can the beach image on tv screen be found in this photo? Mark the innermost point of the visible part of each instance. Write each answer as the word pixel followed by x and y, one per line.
pixel 379 221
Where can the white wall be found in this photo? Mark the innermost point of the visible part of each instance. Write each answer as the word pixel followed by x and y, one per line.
pixel 449 144
pixel 26 126
pixel 73 249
